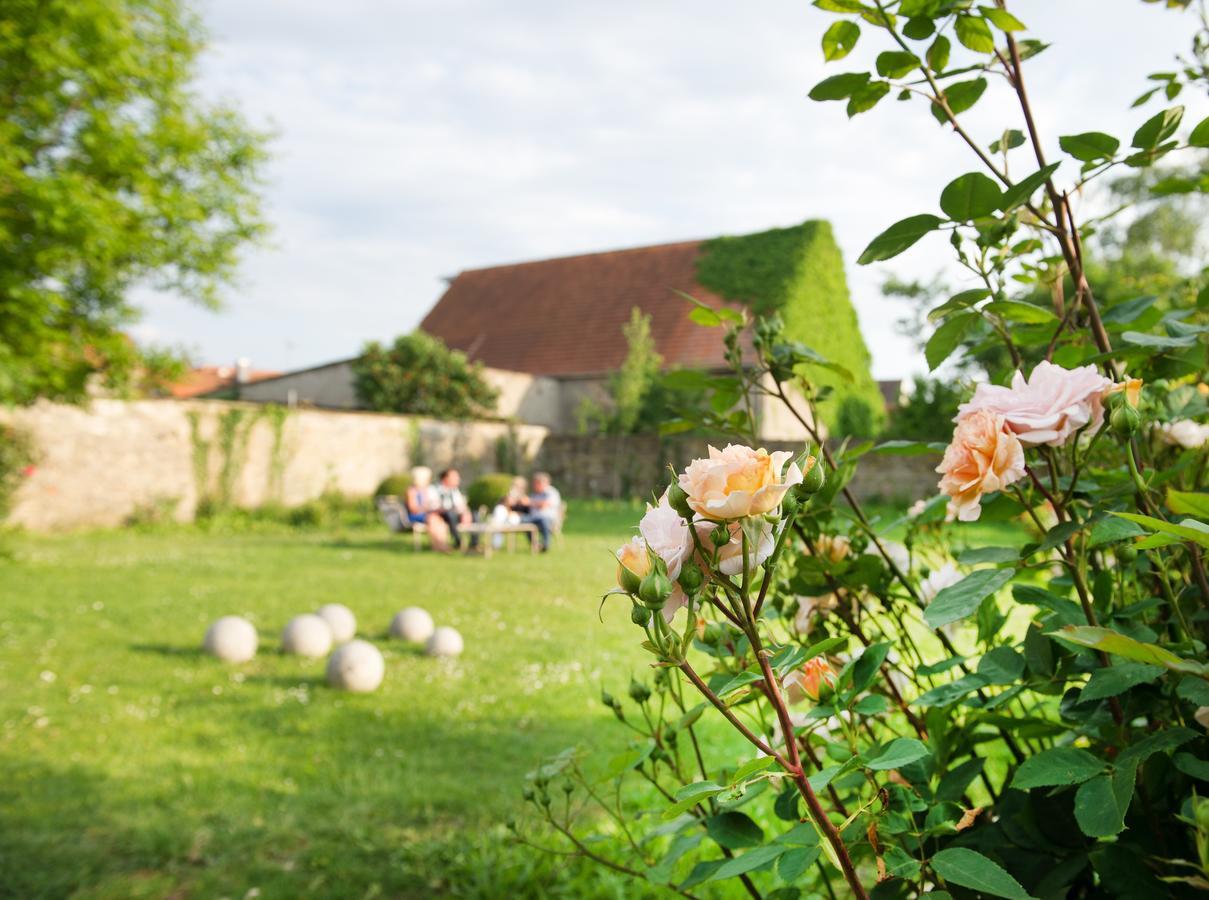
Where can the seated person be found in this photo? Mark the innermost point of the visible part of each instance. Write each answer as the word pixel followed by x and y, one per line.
pixel 545 507
pixel 517 500
pixel 452 506
pixel 423 508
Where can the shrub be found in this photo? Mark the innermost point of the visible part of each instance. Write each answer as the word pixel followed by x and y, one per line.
pixel 488 490
pixel 926 415
pixel 16 456
pixel 393 486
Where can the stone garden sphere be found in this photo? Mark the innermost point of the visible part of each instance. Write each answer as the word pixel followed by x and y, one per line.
pixel 412 624
pixel 231 639
pixel 445 641
pixel 307 635
pixel 340 620
pixel 357 666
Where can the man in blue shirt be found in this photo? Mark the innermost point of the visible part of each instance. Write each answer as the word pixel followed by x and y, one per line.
pixel 545 507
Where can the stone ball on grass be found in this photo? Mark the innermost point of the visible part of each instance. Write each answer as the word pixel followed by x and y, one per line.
pixel 307 635
pixel 231 639
pixel 412 624
pixel 356 666
pixel 445 641
pixel 340 620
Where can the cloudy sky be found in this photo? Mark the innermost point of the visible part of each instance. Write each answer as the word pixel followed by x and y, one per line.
pixel 417 138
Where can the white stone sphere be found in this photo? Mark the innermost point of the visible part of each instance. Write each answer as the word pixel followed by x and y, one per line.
pixel 340 620
pixel 445 641
pixel 231 639
pixel 412 624
pixel 357 666
pixel 307 635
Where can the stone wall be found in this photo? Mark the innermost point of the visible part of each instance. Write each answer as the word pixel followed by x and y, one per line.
pixel 630 466
pixel 101 463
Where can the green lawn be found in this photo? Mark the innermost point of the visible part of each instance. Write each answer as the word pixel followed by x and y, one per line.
pixel 132 765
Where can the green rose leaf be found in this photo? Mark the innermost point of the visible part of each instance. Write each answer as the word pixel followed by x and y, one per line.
pixel 1200 134
pixel 938 54
pixel 960 96
pixel 1019 193
pixel 1158 128
pixel 898 237
pixel 1017 311
pixel 971 869
pixel 898 753
pixel 947 337
pixel 1114 680
pixel 839 39
pixel 1057 766
pixel 1001 18
pixel 975 33
pixel 962 599
pixel 1101 803
pixel 1089 146
pixel 1109 641
pixel 970 196
pixel 896 63
pixel 734 830
pixel 838 87
pixel 1188 503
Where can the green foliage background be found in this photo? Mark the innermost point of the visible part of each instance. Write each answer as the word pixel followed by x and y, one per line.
pixel 418 374
pixel 114 174
pixel 798 272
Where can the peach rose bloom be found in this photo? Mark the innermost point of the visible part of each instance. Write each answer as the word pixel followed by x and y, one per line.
pixel 633 556
pixel 1049 407
pixel 808 680
pixel 833 547
pixel 983 457
pixel 677 601
pixel 738 481
pixel 811 607
pixel 667 534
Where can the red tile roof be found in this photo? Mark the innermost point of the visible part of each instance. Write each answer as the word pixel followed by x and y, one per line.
pixel 207 379
pixel 564 317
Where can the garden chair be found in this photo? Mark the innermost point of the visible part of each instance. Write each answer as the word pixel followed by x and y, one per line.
pixel 394 514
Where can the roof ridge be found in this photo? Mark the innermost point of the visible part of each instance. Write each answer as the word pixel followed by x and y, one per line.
pixel 615 252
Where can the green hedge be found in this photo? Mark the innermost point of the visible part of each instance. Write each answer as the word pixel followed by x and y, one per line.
pixel 393 486
pixel 488 490
pixel 799 273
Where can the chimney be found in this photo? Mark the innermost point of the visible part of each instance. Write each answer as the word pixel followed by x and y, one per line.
pixel 243 369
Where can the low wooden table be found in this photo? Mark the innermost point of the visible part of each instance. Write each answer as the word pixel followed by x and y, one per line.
pixel 486 532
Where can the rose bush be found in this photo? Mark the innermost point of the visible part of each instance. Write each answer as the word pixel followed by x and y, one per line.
pixel 836 713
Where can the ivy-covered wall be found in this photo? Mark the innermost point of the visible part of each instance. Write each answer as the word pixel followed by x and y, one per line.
pixel 799 273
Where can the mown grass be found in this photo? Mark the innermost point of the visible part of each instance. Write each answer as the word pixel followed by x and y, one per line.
pixel 131 765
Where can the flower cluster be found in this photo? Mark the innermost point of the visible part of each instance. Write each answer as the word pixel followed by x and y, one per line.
pixel 1047 409
pixel 718 519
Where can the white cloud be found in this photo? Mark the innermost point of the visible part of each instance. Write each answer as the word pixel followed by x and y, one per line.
pixel 419 138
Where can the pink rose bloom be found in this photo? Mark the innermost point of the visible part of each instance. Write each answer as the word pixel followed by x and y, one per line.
pixel 677 601
pixel 1048 408
pixel 984 457
pixel 809 607
pixel 730 554
pixel 666 533
pixel 738 481
pixel 1183 433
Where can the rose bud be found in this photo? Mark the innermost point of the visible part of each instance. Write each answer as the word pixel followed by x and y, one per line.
pixel 712 634
pixel 633 564
pixel 677 499
pixel 639 692
pixel 640 615
pixel 1125 420
pixel 720 536
pixel 690 578
pixel 813 478
pixel 816 679
pixel 654 590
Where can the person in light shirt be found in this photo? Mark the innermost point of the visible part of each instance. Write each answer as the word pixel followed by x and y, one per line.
pixel 545 507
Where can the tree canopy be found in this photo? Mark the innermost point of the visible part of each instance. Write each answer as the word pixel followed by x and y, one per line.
pixel 114 175
pixel 418 374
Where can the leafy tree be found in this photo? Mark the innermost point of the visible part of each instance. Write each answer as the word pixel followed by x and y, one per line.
pixel 631 388
pixel 418 374
pixel 927 413
pixel 113 174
